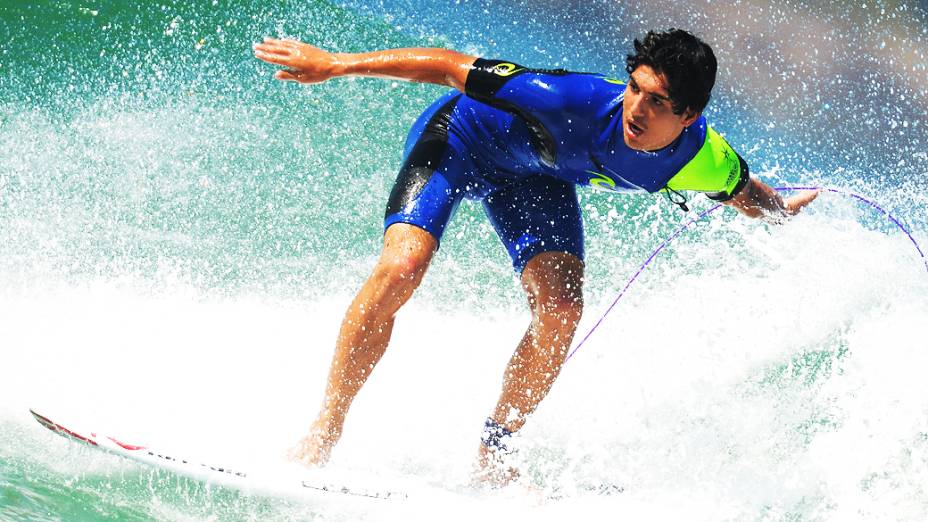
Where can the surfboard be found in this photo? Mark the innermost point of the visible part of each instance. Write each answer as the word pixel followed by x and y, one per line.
pixel 290 481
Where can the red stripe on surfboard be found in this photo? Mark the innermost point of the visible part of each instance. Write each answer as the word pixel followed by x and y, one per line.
pixel 129 447
pixel 61 429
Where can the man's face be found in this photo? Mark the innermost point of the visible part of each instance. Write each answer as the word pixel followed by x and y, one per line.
pixel 648 121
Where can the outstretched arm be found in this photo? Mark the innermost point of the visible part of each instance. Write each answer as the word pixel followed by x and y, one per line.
pixel 758 200
pixel 308 64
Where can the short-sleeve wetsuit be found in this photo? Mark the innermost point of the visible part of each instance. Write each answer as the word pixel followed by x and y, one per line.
pixel 521 139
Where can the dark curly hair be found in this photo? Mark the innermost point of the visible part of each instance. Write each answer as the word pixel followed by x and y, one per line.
pixel 687 62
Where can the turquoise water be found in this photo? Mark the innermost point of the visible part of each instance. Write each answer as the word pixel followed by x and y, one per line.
pixel 179 234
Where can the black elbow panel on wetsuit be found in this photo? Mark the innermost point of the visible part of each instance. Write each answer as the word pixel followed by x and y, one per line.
pixel 488 76
pixel 742 181
pixel 485 81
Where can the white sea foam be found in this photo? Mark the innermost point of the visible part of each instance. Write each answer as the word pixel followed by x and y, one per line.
pixel 790 385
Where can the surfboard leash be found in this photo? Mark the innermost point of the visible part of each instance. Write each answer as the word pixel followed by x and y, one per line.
pixel 705 213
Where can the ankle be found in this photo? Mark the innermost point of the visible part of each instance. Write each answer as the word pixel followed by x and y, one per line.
pixel 496 437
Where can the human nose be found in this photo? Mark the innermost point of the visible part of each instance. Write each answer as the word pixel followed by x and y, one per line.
pixel 635 106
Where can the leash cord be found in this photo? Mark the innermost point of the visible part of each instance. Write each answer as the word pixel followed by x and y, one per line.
pixel 705 213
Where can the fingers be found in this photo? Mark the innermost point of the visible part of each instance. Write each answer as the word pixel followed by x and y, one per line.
pixel 274 43
pixel 276 54
pixel 273 53
pixel 290 75
pixel 303 63
pixel 807 197
pixel 799 201
pixel 273 49
pixel 275 59
pixel 288 53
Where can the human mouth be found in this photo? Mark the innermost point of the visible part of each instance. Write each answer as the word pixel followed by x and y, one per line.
pixel 634 129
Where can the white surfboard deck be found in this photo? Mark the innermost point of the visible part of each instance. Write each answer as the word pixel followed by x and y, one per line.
pixel 281 480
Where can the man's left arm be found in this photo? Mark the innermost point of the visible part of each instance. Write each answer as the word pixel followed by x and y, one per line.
pixel 759 200
pixel 724 176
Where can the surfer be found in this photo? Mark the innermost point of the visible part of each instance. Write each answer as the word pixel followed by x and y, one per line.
pixel 520 140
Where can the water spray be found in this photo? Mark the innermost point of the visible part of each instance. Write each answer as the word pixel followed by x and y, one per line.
pixel 705 213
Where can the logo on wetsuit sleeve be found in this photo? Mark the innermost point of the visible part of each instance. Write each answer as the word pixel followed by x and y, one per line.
pixel 601 181
pixel 506 69
pixel 734 166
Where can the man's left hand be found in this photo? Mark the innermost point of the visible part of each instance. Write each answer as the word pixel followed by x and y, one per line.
pixel 794 204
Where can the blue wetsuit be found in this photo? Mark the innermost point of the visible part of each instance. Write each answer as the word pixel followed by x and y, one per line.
pixel 521 139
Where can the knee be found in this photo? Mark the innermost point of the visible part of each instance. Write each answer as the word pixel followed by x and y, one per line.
pixel 407 251
pixel 554 283
pixel 564 307
pixel 403 270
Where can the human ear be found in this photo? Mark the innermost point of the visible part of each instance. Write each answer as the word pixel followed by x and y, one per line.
pixel 689 117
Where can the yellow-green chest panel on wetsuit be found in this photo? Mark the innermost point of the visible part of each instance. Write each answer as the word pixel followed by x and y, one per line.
pixel 716 168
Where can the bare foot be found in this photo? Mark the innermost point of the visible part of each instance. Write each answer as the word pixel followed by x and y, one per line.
pixel 311 451
pixel 491 470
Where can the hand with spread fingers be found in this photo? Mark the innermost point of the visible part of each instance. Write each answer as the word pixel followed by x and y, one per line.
pixel 759 200
pixel 308 64
pixel 796 203
pixel 304 63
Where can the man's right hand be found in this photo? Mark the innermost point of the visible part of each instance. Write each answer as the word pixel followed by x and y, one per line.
pixel 304 63
pixel 307 64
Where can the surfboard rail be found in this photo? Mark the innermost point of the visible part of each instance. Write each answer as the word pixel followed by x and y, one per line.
pixel 304 486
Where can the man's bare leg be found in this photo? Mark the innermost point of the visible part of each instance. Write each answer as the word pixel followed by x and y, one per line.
pixel 553 282
pixel 365 333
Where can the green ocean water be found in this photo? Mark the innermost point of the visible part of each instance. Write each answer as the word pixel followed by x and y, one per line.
pixel 150 135
pixel 144 148
pixel 158 151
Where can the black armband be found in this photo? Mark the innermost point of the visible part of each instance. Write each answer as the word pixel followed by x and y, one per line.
pixel 488 76
pixel 743 179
